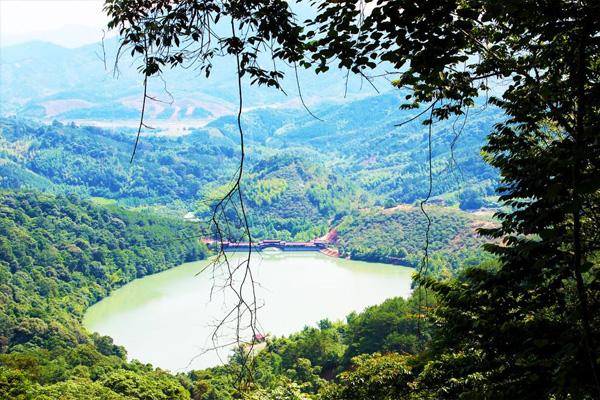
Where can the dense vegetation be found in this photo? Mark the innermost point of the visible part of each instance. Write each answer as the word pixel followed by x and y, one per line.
pixel 59 255
pixel 524 324
pixel 302 365
pixel 397 235
pixel 299 196
pixel 528 325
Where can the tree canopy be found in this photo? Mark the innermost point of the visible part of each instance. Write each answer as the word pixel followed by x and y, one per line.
pixel 529 327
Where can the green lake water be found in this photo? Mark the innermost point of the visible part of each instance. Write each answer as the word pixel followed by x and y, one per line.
pixel 167 319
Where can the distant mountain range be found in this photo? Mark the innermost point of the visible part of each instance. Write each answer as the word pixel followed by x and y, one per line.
pixel 353 148
pixel 45 81
pixel 68 126
pixel 356 142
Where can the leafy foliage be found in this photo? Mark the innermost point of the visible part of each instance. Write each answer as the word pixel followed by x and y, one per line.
pixel 303 365
pixel 59 255
pixel 372 377
pixel 397 235
pixel 529 327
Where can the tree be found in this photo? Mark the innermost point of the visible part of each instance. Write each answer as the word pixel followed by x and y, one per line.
pixel 528 328
pixel 373 377
pixel 470 200
pixel 176 33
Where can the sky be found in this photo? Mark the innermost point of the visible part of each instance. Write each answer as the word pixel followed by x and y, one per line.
pixel 69 23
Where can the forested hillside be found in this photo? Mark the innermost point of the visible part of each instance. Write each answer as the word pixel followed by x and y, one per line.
pixel 293 197
pixel 398 235
pixel 298 186
pixel 368 148
pixel 59 255
pixel 95 162
pixel 47 81
pixel 397 129
pixel 387 161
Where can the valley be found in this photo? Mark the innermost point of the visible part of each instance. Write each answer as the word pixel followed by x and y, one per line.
pixel 290 200
pixel 294 195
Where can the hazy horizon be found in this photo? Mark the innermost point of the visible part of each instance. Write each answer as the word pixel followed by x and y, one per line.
pixel 67 23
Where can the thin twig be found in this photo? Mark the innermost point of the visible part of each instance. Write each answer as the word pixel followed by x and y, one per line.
pixel 300 94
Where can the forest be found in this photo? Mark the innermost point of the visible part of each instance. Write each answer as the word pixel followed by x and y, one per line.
pixel 477 167
pixel 59 255
pixel 397 235
pixel 298 196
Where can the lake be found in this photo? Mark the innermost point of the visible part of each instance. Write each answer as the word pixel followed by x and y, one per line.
pixel 167 319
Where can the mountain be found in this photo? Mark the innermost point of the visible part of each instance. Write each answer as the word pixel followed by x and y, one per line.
pixel 356 134
pixel 46 81
pixel 289 196
pixel 371 150
pixel 295 185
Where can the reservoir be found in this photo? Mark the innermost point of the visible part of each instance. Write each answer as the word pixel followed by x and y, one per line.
pixel 167 319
